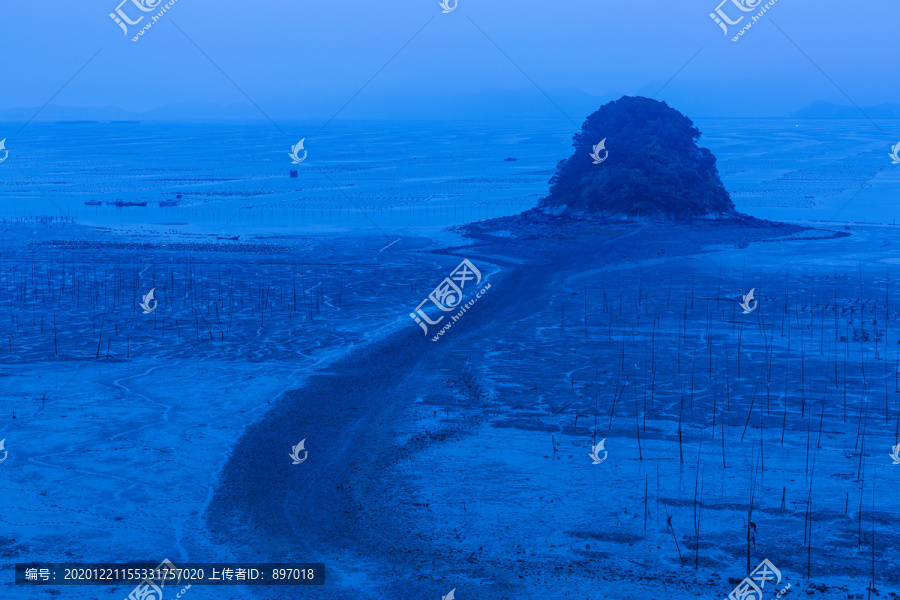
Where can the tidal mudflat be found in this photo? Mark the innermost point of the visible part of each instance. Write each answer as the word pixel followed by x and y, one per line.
pixel 464 463
pixel 118 422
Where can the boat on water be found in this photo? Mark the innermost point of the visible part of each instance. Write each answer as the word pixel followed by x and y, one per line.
pixel 121 203
pixel 94 203
pixel 225 237
pixel 170 202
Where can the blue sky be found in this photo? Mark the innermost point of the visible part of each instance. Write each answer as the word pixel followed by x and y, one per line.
pixel 309 57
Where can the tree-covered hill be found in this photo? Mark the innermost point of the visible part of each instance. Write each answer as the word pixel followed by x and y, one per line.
pixel 653 166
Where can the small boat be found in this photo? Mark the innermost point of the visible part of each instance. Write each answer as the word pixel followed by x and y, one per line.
pixel 121 203
pixel 94 203
pixel 225 237
pixel 168 202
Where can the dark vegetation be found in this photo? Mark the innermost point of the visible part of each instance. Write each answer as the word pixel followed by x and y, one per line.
pixel 654 166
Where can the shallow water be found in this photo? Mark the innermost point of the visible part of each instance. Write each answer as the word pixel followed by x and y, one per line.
pixel 235 177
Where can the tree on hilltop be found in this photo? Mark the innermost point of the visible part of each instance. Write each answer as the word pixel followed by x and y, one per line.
pixel 653 166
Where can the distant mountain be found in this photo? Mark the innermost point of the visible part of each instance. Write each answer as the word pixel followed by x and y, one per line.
pixel 826 110
pixel 504 105
pixel 184 111
pixel 202 111
pixel 67 113
pixel 525 103
pixel 500 105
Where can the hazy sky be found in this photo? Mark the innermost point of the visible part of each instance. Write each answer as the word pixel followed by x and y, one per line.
pixel 320 53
